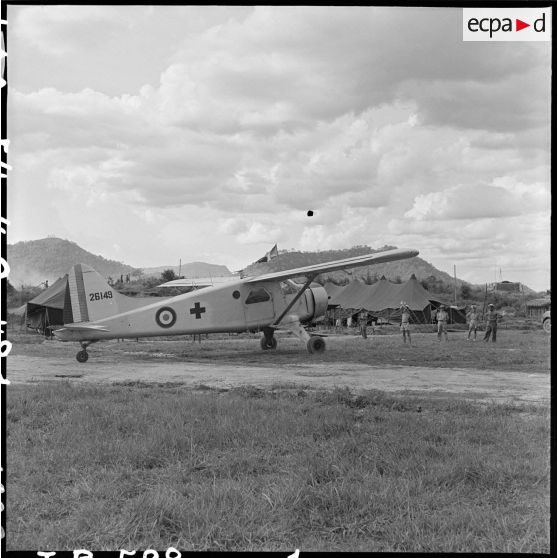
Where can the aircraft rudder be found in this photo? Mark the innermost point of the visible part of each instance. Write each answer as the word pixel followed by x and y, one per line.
pixel 91 297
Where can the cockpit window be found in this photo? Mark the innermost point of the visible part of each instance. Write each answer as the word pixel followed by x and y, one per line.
pixel 256 295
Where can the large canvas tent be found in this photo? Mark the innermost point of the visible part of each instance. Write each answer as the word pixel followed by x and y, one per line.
pixel 47 308
pixel 352 295
pixel 383 299
pixel 332 291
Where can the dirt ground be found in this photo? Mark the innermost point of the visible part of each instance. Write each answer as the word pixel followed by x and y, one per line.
pixel 469 383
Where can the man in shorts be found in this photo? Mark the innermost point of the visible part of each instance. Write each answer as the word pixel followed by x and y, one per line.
pixel 442 319
pixel 405 323
pixel 472 319
pixel 491 324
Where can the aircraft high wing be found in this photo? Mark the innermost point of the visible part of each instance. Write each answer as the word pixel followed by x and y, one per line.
pixel 356 261
pixel 94 311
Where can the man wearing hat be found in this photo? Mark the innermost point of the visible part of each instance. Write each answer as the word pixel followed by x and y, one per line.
pixel 491 324
pixel 442 319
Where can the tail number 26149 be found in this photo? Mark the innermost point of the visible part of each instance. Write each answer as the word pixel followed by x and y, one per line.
pixel 99 296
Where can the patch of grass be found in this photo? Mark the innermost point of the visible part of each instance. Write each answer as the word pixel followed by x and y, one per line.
pixel 137 466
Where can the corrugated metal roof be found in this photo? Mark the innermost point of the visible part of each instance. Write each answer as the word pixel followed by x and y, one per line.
pixel 538 302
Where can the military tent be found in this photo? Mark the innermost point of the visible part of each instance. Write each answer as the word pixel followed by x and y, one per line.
pixel 388 298
pixel 383 299
pixel 457 314
pixel 47 308
pixel 352 295
pixel 332 291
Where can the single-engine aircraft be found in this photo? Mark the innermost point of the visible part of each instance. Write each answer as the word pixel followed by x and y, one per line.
pixel 94 311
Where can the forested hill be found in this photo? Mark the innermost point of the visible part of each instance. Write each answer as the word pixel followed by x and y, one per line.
pixel 395 271
pixel 35 261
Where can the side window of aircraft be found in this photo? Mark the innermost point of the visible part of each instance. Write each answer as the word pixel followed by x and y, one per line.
pixel 259 294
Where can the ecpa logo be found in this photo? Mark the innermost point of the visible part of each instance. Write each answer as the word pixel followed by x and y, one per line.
pixel 507 24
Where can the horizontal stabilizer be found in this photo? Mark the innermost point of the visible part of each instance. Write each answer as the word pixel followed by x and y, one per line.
pixel 82 327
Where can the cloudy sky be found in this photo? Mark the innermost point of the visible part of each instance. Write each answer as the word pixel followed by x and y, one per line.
pixel 149 134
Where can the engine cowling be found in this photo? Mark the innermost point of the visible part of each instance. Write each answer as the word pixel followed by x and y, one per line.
pixel 319 299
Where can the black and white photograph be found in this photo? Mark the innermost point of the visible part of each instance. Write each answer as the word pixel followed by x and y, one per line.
pixel 277 278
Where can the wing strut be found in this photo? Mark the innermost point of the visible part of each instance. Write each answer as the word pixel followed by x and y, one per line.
pixel 309 280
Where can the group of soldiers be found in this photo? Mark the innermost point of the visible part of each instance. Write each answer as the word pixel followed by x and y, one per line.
pixel 442 318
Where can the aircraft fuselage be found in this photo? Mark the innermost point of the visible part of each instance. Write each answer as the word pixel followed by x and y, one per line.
pixel 233 307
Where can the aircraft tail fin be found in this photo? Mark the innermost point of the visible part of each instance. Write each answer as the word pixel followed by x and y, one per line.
pixel 88 296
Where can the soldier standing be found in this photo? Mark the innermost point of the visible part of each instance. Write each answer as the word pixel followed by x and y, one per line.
pixel 405 323
pixel 473 317
pixel 442 319
pixel 362 322
pixel 491 324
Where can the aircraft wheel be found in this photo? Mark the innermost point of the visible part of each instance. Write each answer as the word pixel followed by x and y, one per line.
pixel 546 325
pixel 82 356
pixel 316 344
pixel 268 344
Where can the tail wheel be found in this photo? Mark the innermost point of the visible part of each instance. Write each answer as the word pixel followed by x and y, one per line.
pixel 547 325
pixel 316 344
pixel 82 356
pixel 268 344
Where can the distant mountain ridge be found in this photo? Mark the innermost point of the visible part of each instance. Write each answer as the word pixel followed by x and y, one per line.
pixel 401 269
pixel 35 261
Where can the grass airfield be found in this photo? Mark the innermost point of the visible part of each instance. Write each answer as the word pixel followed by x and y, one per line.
pixel 309 464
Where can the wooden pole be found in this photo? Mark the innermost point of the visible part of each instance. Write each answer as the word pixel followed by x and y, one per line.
pixel 454 286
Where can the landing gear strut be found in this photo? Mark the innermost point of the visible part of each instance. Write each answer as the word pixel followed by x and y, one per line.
pixel 314 344
pixel 268 342
pixel 83 355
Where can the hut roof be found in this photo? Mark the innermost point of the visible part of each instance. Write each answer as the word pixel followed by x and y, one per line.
pixel 538 302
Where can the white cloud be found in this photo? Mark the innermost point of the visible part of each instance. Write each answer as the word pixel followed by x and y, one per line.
pixel 58 30
pixel 259 114
pixel 259 232
pixel 477 201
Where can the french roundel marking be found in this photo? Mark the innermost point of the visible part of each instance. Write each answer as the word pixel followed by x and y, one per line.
pixel 165 317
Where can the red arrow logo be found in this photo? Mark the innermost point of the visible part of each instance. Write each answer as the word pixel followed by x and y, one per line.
pixel 519 25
